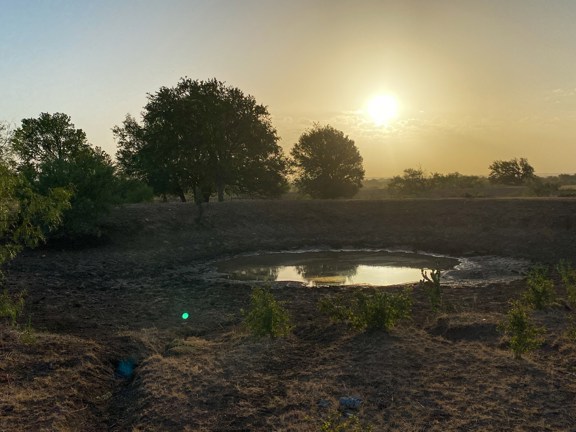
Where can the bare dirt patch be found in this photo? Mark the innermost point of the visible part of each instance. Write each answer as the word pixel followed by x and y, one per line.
pixel 113 353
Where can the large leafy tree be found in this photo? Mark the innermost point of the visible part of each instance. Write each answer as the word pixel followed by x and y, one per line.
pixel 512 172
pixel 328 164
pixel 25 215
pixel 51 153
pixel 203 136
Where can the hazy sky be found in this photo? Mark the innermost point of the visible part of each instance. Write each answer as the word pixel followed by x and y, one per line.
pixel 476 80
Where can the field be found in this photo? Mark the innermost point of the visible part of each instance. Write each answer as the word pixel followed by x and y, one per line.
pixel 110 350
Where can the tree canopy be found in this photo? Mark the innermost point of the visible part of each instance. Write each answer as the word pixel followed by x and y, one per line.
pixel 52 154
pixel 513 172
pixel 204 137
pixel 327 163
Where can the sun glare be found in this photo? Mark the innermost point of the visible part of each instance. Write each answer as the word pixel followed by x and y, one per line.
pixel 382 109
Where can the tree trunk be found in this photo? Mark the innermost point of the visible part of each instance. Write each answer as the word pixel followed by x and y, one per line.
pixel 181 195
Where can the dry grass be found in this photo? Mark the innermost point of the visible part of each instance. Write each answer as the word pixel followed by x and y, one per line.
pixel 59 383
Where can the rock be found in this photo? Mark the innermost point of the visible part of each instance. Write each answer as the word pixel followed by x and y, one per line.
pixel 350 403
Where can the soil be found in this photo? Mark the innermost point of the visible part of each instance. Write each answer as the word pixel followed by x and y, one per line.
pixel 111 351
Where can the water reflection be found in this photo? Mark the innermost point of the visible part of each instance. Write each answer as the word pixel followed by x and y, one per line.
pixel 334 268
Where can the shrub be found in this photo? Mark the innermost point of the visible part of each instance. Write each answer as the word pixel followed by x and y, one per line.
pixel 11 307
pixel 568 277
pixel 523 334
pixel 540 293
pixel 377 311
pixel 431 283
pixel 132 191
pixel 266 316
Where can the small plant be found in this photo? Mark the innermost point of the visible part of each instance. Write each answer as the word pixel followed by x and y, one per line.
pixel 431 283
pixel 378 311
pixel 540 293
pixel 523 334
pixel 568 276
pixel 266 316
pixel 11 307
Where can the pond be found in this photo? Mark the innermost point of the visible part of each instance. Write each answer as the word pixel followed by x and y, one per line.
pixel 334 267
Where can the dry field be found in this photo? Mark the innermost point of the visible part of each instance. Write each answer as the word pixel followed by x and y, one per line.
pixel 111 352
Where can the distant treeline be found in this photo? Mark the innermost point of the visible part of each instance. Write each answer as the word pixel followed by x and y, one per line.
pixel 507 178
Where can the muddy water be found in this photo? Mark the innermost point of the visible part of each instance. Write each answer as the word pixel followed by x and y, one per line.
pixel 334 267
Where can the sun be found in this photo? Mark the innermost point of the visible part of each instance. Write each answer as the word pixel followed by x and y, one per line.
pixel 382 109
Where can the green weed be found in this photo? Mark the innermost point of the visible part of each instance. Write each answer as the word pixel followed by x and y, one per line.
pixel 541 293
pixel 266 316
pixel 377 311
pixel 524 336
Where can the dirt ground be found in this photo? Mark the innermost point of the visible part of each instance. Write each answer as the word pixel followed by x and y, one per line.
pixel 111 352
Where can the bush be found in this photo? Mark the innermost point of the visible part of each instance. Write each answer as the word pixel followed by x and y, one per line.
pixel 540 293
pixel 377 311
pixel 542 188
pixel 523 334
pixel 568 277
pixel 11 307
pixel 266 316
pixel 130 191
pixel 433 288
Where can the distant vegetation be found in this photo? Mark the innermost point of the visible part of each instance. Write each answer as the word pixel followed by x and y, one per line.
pixel 514 172
pixel 512 178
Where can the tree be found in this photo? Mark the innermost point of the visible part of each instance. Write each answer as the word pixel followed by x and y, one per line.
pixel 25 216
pixel 416 182
pixel 413 181
pixel 51 153
pixel 328 164
pixel 513 172
pixel 203 136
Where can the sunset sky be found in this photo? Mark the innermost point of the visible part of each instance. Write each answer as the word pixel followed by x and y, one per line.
pixel 475 80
